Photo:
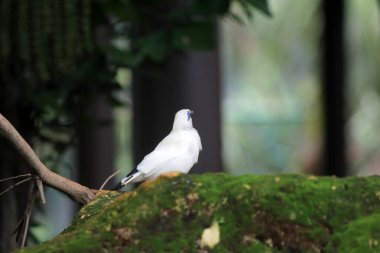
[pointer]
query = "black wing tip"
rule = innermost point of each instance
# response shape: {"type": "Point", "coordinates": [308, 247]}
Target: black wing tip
{"type": "Point", "coordinates": [117, 187]}
{"type": "Point", "coordinates": [132, 172]}
{"type": "Point", "coordinates": [120, 185]}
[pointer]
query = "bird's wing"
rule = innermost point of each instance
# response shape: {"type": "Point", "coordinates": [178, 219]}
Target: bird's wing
{"type": "Point", "coordinates": [171, 141]}
{"type": "Point", "coordinates": [166, 151]}
{"type": "Point", "coordinates": [154, 161]}
{"type": "Point", "coordinates": [173, 146]}
{"type": "Point", "coordinates": [198, 138]}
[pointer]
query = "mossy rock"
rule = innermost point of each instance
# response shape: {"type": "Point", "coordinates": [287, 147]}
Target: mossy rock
{"type": "Point", "coordinates": [223, 213]}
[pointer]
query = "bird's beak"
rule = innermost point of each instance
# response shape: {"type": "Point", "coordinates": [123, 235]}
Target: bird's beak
{"type": "Point", "coordinates": [191, 112]}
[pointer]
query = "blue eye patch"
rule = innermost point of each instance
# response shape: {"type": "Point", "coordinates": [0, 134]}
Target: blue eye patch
{"type": "Point", "coordinates": [188, 115]}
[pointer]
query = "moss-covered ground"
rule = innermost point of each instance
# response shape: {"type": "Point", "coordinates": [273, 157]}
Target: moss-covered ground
{"type": "Point", "coordinates": [272, 213]}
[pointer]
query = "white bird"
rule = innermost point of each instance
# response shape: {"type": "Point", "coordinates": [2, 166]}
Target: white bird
{"type": "Point", "coordinates": [177, 152]}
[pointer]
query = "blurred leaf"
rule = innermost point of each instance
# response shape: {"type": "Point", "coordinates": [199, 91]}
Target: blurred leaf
{"type": "Point", "coordinates": [48, 104]}
{"type": "Point", "coordinates": [236, 18]}
{"type": "Point", "coordinates": [154, 46]}
{"type": "Point", "coordinates": [200, 9]}
{"type": "Point", "coordinates": [212, 7]}
{"type": "Point", "coordinates": [123, 58]}
{"type": "Point", "coordinates": [261, 5]}
{"type": "Point", "coordinates": [124, 9]}
{"type": "Point", "coordinates": [247, 8]}
{"type": "Point", "coordinates": [199, 35]}
{"type": "Point", "coordinates": [115, 100]}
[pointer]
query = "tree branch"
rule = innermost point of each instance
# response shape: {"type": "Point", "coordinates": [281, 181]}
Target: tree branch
{"type": "Point", "coordinates": [77, 192]}
{"type": "Point", "coordinates": [9, 178]}
{"type": "Point", "coordinates": [108, 179]}
{"type": "Point", "coordinates": [28, 214]}
{"type": "Point", "coordinates": [14, 185]}
{"type": "Point", "coordinates": [41, 190]}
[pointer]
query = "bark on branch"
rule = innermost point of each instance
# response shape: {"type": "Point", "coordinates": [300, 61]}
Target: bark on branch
{"type": "Point", "coordinates": [77, 192]}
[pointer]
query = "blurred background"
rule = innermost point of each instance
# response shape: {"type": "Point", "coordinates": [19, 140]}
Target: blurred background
{"type": "Point", "coordinates": [288, 86]}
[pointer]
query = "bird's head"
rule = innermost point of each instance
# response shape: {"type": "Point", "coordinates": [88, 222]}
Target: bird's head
{"type": "Point", "coordinates": [183, 120]}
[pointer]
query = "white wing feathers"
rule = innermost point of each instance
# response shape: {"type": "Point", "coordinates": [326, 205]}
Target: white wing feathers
{"type": "Point", "coordinates": [173, 153]}
{"type": "Point", "coordinates": [196, 135]}
{"type": "Point", "coordinates": [154, 161]}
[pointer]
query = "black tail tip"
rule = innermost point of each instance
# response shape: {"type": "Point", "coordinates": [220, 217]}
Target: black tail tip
{"type": "Point", "coordinates": [117, 187]}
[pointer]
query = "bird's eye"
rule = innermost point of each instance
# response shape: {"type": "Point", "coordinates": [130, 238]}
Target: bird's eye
{"type": "Point", "coordinates": [188, 115]}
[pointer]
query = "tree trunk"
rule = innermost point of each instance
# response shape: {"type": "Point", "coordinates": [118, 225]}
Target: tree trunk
{"type": "Point", "coordinates": [334, 88]}
{"type": "Point", "coordinates": [96, 154]}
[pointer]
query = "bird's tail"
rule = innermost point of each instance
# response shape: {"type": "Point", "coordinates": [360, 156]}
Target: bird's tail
{"type": "Point", "coordinates": [129, 178]}
{"type": "Point", "coordinates": [117, 187]}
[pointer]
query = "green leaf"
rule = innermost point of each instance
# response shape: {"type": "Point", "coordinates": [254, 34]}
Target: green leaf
{"type": "Point", "coordinates": [261, 5]}
{"type": "Point", "coordinates": [124, 58]}
{"type": "Point", "coordinates": [246, 6]}
{"type": "Point", "coordinates": [236, 18]}
{"type": "Point", "coordinates": [197, 35]}
{"type": "Point", "coordinates": [124, 9]}
{"type": "Point", "coordinates": [212, 7]}
{"type": "Point", "coordinates": [154, 46]}
{"type": "Point", "coordinates": [201, 8]}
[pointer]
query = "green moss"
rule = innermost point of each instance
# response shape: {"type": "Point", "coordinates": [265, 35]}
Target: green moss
{"type": "Point", "coordinates": [270, 213]}
{"type": "Point", "coordinates": [89, 211]}
{"type": "Point", "coordinates": [361, 235]}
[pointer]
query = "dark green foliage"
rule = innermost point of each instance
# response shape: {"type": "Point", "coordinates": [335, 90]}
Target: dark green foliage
{"type": "Point", "coordinates": [279, 213]}
{"type": "Point", "coordinates": [50, 64]}
{"type": "Point", "coordinates": [47, 64]}
{"type": "Point", "coordinates": [261, 5]}
{"type": "Point", "coordinates": [194, 35]}
{"type": "Point", "coordinates": [158, 28]}
{"type": "Point", "coordinates": [49, 55]}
